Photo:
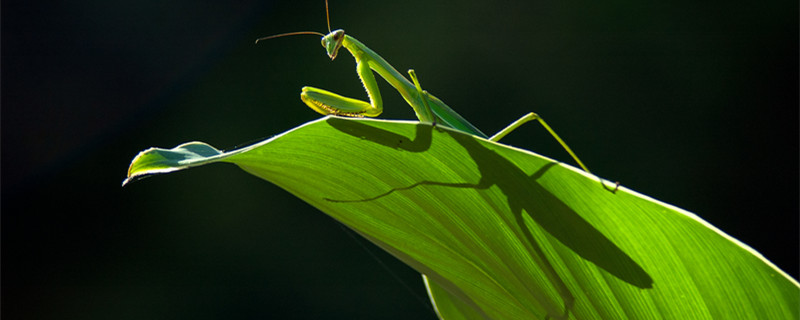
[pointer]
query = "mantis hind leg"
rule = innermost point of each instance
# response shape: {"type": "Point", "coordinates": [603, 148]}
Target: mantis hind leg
{"type": "Point", "coordinates": [326, 102]}
{"type": "Point", "coordinates": [533, 116]}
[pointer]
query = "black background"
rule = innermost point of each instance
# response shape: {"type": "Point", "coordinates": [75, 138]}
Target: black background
{"type": "Point", "coordinates": [694, 103]}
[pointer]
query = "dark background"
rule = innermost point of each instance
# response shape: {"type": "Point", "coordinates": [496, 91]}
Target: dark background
{"type": "Point", "coordinates": [694, 103]}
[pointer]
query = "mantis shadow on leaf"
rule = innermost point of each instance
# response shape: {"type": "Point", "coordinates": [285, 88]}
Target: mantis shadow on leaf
{"type": "Point", "coordinates": [421, 142]}
{"type": "Point", "coordinates": [549, 212]}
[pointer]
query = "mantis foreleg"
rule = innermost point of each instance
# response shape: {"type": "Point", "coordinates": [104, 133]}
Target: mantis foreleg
{"type": "Point", "coordinates": [327, 102]}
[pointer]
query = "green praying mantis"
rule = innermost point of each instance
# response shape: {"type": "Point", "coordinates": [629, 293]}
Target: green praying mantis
{"type": "Point", "coordinates": [428, 108]}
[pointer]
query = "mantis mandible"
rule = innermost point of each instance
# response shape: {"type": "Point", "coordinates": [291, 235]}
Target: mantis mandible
{"type": "Point", "coordinates": [427, 107]}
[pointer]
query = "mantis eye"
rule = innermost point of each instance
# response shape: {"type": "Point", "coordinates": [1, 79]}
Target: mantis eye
{"type": "Point", "coordinates": [338, 35]}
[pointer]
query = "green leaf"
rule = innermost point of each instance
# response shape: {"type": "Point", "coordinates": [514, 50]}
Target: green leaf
{"type": "Point", "coordinates": [503, 233]}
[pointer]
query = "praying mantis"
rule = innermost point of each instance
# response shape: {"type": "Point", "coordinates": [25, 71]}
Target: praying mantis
{"type": "Point", "coordinates": [428, 108]}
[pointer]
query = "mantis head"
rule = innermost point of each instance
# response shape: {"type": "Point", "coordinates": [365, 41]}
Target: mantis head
{"type": "Point", "coordinates": [332, 42]}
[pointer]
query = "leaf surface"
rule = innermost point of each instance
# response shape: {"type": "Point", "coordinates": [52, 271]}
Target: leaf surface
{"type": "Point", "coordinates": [503, 233]}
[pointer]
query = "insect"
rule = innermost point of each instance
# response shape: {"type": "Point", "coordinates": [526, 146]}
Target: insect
{"type": "Point", "coordinates": [427, 107]}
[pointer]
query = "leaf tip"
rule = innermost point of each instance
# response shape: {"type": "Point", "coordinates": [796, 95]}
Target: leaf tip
{"type": "Point", "coordinates": [157, 160]}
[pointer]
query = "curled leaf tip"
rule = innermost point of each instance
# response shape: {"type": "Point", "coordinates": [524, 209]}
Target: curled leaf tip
{"type": "Point", "coordinates": [158, 160]}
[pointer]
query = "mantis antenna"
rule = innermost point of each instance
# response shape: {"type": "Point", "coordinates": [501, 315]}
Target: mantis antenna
{"type": "Point", "coordinates": [327, 18]}
{"type": "Point", "coordinates": [289, 34]}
